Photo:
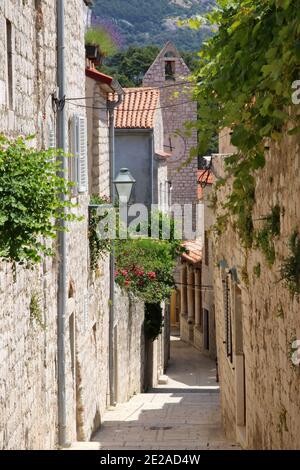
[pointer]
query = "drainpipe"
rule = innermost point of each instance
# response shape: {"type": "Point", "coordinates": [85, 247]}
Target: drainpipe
{"type": "Point", "coordinates": [62, 239]}
{"type": "Point", "coordinates": [111, 105]}
{"type": "Point", "coordinates": [152, 167]}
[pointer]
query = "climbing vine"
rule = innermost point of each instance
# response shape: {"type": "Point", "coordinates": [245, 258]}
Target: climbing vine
{"type": "Point", "coordinates": [290, 268]}
{"type": "Point", "coordinates": [36, 310]}
{"type": "Point", "coordinates": [98, 246]}
{"type": "Point", "coordinates": [153, 321]}
{"type": "Point", "coordinates": [265, 236]}
{"type": "Point", "coordinates": [30, 200]}
{"type": "Point", "coordinates": [244, 83]}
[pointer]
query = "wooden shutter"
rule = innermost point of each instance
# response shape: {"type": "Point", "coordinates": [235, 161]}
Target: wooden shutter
{"type": "Point", "coordinates": [82, 160]}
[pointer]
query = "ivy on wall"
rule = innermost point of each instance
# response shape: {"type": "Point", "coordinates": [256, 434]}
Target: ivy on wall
{"type": "Point", "coordinates": [99, 247]}
{"type": "Point", "coordinates": [153, 321]}
{"type": "Point", "coordinates": [30, 201]}
{"type": "Point", "coordinates": [244, 82]}
{"type": "Point", "coordinates": [290, 268]}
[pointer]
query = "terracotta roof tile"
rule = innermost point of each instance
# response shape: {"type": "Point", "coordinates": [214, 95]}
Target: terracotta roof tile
{"type": "Point", "coordinates": [194, 251]}
{"type": "Point", "coordinates": [137, 110]}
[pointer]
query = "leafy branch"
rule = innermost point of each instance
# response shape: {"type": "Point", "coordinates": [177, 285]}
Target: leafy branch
{"type": "Point", "coordinates": [30, 203]}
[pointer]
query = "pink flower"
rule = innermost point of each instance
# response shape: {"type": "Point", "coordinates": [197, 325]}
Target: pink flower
{"type": "Point", "coordinates": [124, 272]}
{"type": "Point", "coordinates": [152, 275]}
{"type": "Point", "coordinates": [138, 272]}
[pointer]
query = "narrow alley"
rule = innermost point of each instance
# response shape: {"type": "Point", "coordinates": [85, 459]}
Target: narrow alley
{"type": "Point", "coordinates": [184, 414]}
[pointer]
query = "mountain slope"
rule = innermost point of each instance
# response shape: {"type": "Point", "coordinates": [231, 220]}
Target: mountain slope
{"type": "Point", "coordinates": [145, 22]}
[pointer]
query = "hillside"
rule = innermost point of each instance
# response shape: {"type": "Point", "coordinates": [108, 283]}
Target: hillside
{"type": "Point", "coordinates": [144, 22]}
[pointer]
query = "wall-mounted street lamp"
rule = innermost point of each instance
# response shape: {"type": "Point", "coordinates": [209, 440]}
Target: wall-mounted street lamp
{"type": "Point", "coordinates": [124, 183]}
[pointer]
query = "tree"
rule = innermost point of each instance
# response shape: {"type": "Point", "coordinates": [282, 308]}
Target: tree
{"type": "Point", "coordinates": [129, 66]}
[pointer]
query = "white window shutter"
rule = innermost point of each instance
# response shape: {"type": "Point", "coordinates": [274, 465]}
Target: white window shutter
{"type": "Point", "coordinates": [74, 148]}
{"type": "Point", "coordinates": [51, 135]}
{"type": "Point", "coordinates": [82, 161]}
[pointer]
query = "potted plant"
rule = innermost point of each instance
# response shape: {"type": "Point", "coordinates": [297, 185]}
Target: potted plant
{"type": "Point", "coordinates": [98, 44]}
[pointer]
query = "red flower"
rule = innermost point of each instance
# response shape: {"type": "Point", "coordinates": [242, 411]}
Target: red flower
{"type": "Point", "coordinates": [127, 282]}
{"type": "Point", "coordinates": [152, 275]}
{"type": "Point", "coordinates": [124, 272]}
{"type": "Point", "coordinates": [138, 272]}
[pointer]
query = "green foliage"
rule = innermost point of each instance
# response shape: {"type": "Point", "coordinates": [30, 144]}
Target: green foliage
{"type": "Point", "coordinates": [153, 321]}
{"type": "Point", "coordinates": [101, 38]}
{"type": "Point", "coordinates": [245, 76]}
{"type": "Point", "coordinates": [130, 66]}
{"type": "Point", "coordinates": [290, 268]}
{"type": "Point", "coordinates": [35, 310]}
{"type": "Point", "coordinates": [30, 201]}
{"type": "Point", "coordinates": [145, 266]}
{"type": "Point", "coordinates": [271, 229]}
{"type": "Point", "coordinates": [144, 21]}
{"type": "Point", "coordinates": [98, 246]}
{"type": "Point", "coordinates": [257, 270]}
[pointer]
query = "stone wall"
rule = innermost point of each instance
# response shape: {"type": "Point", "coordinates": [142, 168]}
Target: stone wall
{"type": "Point", "coordinates": [98, 139]}
{"type": "Point", "coordinates": [28, 343]}
{"type": "Point", "coordinates": [265, 316]}
{"type": "Point", "coordinates": [28, 367]}
{"type": "Point", "coordinates": [207, 270]}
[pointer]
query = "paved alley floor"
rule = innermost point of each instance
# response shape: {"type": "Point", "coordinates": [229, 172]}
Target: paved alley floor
{"type": "Point", "coordinates": [182, 415]}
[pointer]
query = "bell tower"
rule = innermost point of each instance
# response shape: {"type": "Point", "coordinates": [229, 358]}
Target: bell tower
{"type": "Point", "coordinates": [171, 75]}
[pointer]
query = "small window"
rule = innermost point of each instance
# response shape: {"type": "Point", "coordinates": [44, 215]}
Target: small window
{"type": "Point", "coordinates": [170, 70]}
{"type": "Point", "coordinates": [78, 166]}
{"type": "Point", "coordinates": [227, 317]}
{"type": "Point", "coordinates": [9, 61]}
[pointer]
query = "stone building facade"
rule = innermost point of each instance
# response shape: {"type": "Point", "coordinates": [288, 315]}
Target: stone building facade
{"type": "Point", "coordinates": [140, 146]}
{"type": "Point", "coordinates": [170, 74]}
{"type": "Point", "coordinates": [205, 336]}
{"type": "Point", "coordinates": [257, 317]}
{"type": "Point", "coordinates": [28, 348]}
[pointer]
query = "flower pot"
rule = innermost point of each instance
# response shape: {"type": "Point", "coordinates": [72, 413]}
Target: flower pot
{"type": "Point", "coordinates": [93, 53]}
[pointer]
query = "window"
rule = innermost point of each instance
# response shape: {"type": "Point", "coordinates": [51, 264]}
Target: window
{"type": "Point", "coordinates": [9, 62]}
{"type": "Point", "coordinates": [206, 248]}
{"type": "Point", "coordinates": [78, 166]}
{"type": "Point", "coordinates": [170, 70]}
{"type": "Point", "coordinates": [227, 317]}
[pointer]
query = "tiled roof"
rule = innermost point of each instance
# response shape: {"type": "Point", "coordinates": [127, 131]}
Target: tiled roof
{"type": "Point", "coordinates": [137, 110]}
{"type": "Point", "coordinates": [194, 251]}
{"type": "Point", "coordinates": [98, 76]}
{"type": "Point", "coordinates": [108, 83]}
